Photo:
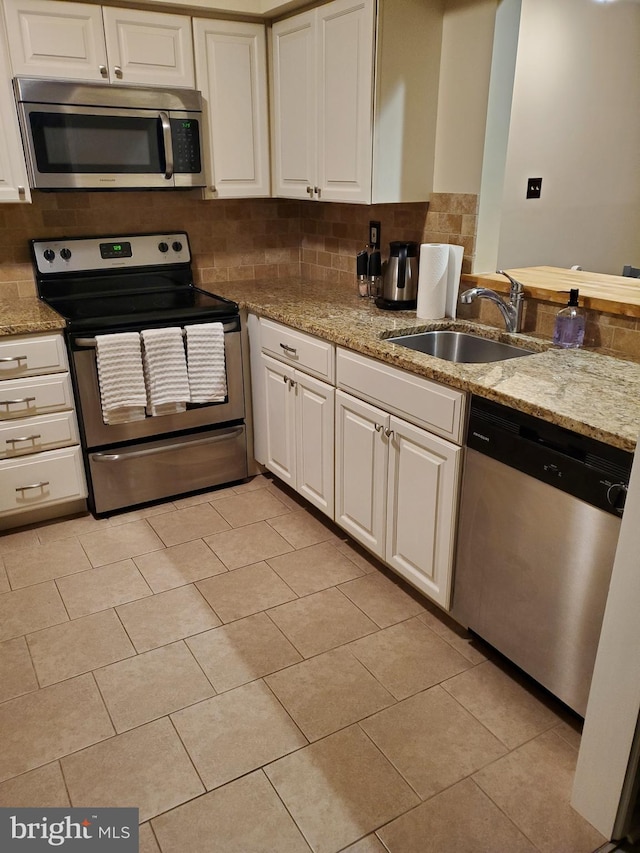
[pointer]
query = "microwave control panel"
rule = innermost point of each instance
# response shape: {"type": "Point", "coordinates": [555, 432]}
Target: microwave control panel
{"type": "Point", "coordinates": [185, 139]}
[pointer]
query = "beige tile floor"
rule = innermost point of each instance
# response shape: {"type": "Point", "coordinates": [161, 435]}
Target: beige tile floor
{"type": "Point", "coordinates": [234, 667]}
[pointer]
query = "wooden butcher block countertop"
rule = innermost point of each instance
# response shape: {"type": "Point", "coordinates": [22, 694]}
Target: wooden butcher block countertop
{"type": "Point", "coordinates": [614, 294]}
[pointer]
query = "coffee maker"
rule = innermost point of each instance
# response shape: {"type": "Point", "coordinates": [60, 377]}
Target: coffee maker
{"type": "Point", "coordinates": [400, 277]}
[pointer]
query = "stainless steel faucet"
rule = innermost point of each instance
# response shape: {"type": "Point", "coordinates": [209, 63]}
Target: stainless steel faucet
{"type": "Point", "coordinates": [511, 310]}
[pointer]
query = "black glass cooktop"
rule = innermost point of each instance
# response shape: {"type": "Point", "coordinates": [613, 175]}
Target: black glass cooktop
{"type": "Point", "coordinates": [176, 304]}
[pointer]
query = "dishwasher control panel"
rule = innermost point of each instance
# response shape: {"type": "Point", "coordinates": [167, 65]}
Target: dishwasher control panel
{"type": "Point", "coordinates": [581, 466]}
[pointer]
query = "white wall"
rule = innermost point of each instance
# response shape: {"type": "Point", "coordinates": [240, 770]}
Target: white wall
{"type": "Point", "coordinates": [467, 44]}
{"type": "Point", "coordinates": [575, 122]}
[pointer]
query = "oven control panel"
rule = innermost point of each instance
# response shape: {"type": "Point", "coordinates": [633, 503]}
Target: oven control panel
{"type": "Point", "coordinates": [81, 254]}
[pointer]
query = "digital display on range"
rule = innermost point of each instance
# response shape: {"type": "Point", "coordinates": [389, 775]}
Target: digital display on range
{"type": "Point", "coordinates": [115, 250]}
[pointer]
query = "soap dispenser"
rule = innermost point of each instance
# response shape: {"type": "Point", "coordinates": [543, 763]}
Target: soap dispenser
{"type": "Point", "coordinates": [568, 331]}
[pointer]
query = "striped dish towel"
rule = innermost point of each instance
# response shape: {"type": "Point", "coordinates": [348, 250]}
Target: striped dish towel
{"type": "Point", "coordinates": [120, 377]}
{"type": "Point", "coordinates": [206, 363]}
{"type": "Point", "coordinates": [165, 371]}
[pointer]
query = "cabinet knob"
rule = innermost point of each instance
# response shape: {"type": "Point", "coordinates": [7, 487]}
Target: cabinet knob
{"type": "Point", "coordinates": [103, 70]}
{"type": "Point", "coordinates": [310, 190]}
{"type": "Point", "coordinates": [117, 71]}
{"type": "Point", "coordinates": [317, 191]}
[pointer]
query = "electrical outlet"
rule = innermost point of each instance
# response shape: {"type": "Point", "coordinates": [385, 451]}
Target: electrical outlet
{"type": "Point", "coordinates": [534, 187]}
{"type": "Point", "coordinates": [374, 235]}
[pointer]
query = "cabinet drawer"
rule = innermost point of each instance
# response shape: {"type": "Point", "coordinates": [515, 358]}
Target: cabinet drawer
{"type": "Point", "coordinates": [311, 354]}
{"type": "Point", "coordinates": [20, 398]}
{"type": "Point", "coordinates": [22, 436]}
{"type": "Point", "coordinates": [420, 401]}
{"type": "Point", "coordinates": [45, 478]}
{"type": "Point", "coordinates": [32, 355]}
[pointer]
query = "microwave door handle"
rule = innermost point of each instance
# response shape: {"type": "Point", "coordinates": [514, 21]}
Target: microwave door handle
{"type": "Point", "coordinates": [168, 145]}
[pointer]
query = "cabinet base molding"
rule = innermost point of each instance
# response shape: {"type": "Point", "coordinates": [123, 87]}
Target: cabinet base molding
{"type": "Point", "coordinates": [46, 513]}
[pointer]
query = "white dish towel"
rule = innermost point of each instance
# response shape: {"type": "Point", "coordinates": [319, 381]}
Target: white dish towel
{"type": "Point", "coordinates": [206, 363]}
{"type": "Point", "coordinates": [165, 371]}
{"type": "Point", "coordinates": [120, 376]}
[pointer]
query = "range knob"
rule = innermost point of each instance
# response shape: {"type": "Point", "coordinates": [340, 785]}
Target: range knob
{"type": "Point", "coordinates": [163, 247]}
{"type": "Point", "coordinates": [176, 246]}
{"type": "Point", "coordinates": [65, 254]}
{"type": "Point", "coordinates": [49, 255]}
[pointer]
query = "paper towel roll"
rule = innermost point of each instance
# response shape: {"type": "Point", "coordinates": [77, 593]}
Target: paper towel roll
{"type": "Point", "coordinates": [432, 281]}
{"type": "Point", "coordinates": [453, 279]}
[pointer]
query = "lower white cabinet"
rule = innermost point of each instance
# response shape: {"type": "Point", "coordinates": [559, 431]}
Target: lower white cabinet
{"type": "Point", "coordinates": [41, 468]}
{"type": "Point", "coordinates": [396, 493]}
{"type": "Point", "coordinates": [297, 425]}
{"type": "Point", "coordinates": [42, 479]}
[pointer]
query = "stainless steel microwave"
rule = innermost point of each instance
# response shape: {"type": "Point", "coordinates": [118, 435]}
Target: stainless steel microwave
{"type": "Point", "coordinates": [84, 136]}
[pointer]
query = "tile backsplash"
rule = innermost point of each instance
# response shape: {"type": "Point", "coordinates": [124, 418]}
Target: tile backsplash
{"type": "Point", "coordinates": [232, 239]}
{"type": "Point", "coordinates": [267, 238]}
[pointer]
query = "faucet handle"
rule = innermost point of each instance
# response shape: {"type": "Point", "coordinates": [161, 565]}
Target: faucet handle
{"type": "Point", "coordinates": [516, 286]}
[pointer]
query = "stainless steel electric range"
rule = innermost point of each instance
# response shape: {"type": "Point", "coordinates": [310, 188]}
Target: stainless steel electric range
{"type": "Point", "coordinates": [129, 283]}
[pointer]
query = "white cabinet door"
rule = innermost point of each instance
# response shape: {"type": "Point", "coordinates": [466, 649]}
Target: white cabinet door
{"type": "Point", "coordinates": [295, 157]}
{"type": "Point", "coordinates": [345, 100]}
{"type": "Point", "coordinates": [51, 38]}
{"type": "Point", "coordinates": [423, 477]}
{"type": "Point", "coordinates": [323, 64]}
{"type": "Point", "coordinates": [279, 420]}
{"type": "Point", "coordinates": [231, 72]}
{"type": "Point", "coordinates": [14, 184]}
{"type": "Point", "coordinates": [148, 48]}
{"type": "Point", "coordinates": [314, 441]}
{"type": "Point", "coordinates": [361, 471]}
{"type": "Point", "coordinates": [78, 41]}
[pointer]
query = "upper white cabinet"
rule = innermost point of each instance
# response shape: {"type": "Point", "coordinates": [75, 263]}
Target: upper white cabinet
{"type": "Point", "coordinates": [14, 184]}
{"type": "Point", "coordinates": [51, 38]}
{"type": "Point", "coordinates": [355, 101]}
{"type": "Point", "coordinates": [322, 78]}
{"type": "Point", "coordinates": [231, 72]}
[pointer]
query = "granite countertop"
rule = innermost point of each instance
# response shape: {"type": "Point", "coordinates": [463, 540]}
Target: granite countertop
{"type": "Point", "coordinates": [592, 394]}
{"type": "Point", "coordinates": [27, 315]}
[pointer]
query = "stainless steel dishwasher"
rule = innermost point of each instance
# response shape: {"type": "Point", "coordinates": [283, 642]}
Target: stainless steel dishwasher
{"type": "Point", "coordinates": [539, 522]}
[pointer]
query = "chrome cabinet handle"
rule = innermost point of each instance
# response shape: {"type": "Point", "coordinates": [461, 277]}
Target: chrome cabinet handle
{"type": "Point", "coordinates": [117, 71]}
{"type": "Point", "coordinates": [8, 358]}
{"type": "Point", "coordinates": [287, 348]}
{"type": "Point", "coordinates": [40, 485]}
{"type": "Point", "coordinates": [103, 70]}
{"type": "Point", "coordinates": [310, 190]}
{"type": "Point", "coordinates": [26, 400]}
{"type": "Point", "coordinates": [389, 433]}
{"type": "Point", "coordinates": [23, 438]}
{"type": "Point", "coordinates": [317, 191]}
{"type": "Point", "coordinates": [168, 145]}
{"type": "Point", "coordinates": [378, 427]}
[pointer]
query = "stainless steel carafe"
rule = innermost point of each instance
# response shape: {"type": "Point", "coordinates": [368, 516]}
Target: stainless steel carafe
{"type": "Point", "coordinates": [400, 276]}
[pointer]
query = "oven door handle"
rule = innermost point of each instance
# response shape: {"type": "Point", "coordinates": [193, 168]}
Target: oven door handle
{"type": "Point", "coordinates": [224, 435]}
{"type": "Point", "coordinates": [90, 343]}
{"type": "Point", "coordinates": [168, 144]}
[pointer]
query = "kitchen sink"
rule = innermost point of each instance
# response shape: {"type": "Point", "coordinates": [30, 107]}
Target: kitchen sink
{"type": "Point", "coordinates": [461, 347]}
